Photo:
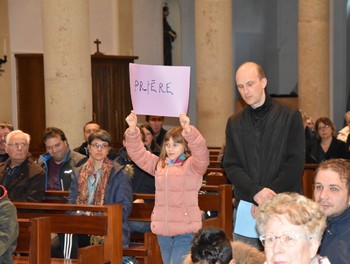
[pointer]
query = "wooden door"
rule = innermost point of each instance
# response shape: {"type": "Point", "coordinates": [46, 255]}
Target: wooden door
{"type": "Point", "coordinates": [31, 99]}
{"type": "Point", "coordinates": [111, 94]}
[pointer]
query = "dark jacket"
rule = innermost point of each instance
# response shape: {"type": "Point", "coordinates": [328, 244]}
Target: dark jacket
{"type": "Point", "coordinates": [119, 191]}
{"type": "Point", "coordinates": [72, 161]}
{"type": "Point", "coordinates": [83, 149]}
{"type": "Point", "coordinates": [159, 139]}
{"type": "Point", "coordinates": [315, 154]}
{"type": "Point", "coordinates": [336, 243]}
{"type": "Point", "coordinates": [3, 157]}
{"type": "Point", "coordinates": [27, 183]}
{"type": "Point", "coordinates": [142, 182]}
{"type": "Point", "coordinates": [8, 228]}
{"type": "Point", "coordinates": [264, 148]}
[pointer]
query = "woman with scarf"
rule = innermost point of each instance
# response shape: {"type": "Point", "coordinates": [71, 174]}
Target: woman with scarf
{"type": "Point", "coordinates": [100, 182]}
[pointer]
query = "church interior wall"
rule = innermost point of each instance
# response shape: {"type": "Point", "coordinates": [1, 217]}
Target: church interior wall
{"type": "Point", "coordinates": [253, 39]}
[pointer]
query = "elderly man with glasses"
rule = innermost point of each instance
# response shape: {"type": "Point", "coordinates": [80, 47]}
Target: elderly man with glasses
{"type": "Point", "coordinates": [23, 179]}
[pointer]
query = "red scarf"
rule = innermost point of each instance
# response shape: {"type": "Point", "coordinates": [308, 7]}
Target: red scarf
{"type": "Point", "coordinates": [87, 170]}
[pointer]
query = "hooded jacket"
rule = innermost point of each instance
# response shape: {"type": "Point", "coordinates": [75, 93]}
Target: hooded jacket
{"type": "Point", "coordinates": [8, 227]}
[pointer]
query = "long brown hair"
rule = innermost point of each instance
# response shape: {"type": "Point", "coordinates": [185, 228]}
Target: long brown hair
{"type": "Point", "coordinates": [176, 134]}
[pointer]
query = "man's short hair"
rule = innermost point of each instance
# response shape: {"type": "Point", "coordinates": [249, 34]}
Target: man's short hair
{"type": "Point", "coordinates": [52, 132]}
{"type": "Point", "coordinates": [148, 117]}
{"type": "Point", "coordinates": [339, 166]}
{"type": "Point", "coordinates": [91, 122]}
{"type": "Point", "coordinates": [211, 245]}
{"type": "Point", "coordinates": [17, 132]}
{"type": "Point", "coordinates": [4, 124]}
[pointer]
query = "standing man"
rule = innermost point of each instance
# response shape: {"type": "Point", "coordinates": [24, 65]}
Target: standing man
{"type": "Point", "coordinates": [5, 129]}
{"type": "Point", "coordinates": [23, 179]}
{"type": "Point", "coordinates": [332, 192]}
{"type": "Point", "coordinates": [264, 152]}
{"type": "Point", "coordinates": [59, 161]}
{"type": "Point", "coordinates": [156, 124]}
{"type": "Point", "coordinates": [89, 128]}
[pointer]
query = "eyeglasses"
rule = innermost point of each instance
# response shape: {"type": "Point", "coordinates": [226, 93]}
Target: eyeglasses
{"type": "Point", "coordinates": [97, 146]}
{"type": "Point", "coordinates": [287, 240]}
{"type": "Point", "coordinates": [323, 127]}
{"type": "Point", "coordinates": [16, 145]}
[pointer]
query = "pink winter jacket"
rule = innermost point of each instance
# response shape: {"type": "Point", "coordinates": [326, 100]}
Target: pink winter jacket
{"type": "Point", "coordinates": [176, 210]}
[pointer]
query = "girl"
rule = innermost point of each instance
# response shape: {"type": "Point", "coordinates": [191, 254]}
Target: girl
{"type": "Point", "coordinates": [178, 173]}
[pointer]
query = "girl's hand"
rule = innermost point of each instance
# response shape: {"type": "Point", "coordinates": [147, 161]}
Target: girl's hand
{"type": "Point", "coordinates": [131, 119]}
{"type": "Point", "coordinates": [185, 122]}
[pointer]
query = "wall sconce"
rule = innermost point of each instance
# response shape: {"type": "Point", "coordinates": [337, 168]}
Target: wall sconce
{"type": "Point", "coordinates": [2, 61]}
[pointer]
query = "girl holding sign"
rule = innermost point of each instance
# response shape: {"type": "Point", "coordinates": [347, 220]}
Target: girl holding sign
{"type": "Point", "coordinates": [178, 173]}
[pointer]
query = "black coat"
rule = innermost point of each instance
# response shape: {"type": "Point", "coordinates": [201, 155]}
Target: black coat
{"type": "Point", "coordinates": [315, 154]}
{"type": "Point", "coordinates": [264, 148]}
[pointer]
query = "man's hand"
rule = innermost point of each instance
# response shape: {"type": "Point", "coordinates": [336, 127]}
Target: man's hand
{"type": "Point", "coordinates": [131, 119]}
{"type": "Point", "coordinates": [264, 195]}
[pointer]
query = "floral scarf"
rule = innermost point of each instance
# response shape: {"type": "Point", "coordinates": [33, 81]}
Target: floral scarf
{"type": "Point", "coordinates": [83, 190]}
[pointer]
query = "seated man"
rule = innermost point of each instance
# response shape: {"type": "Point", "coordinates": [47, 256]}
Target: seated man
{"type": "Point", "coordinates": [88, 129]}
{"type": "Point", "coordinates": [332, 192]}
{"type": "Point", "coordinates": [59, 161]}
{"type": "Point", "coordinates": [5, 128]}
{"type": "Point", "coordinates": [156, 123]}
{"type": "Point", "coordinates": [8, 227]}
{"type": "Point", "coordinates": [23, 179]}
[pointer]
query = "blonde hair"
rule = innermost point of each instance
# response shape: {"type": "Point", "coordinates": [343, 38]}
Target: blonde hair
{"type": "Point", "coordinates": [298, 210]}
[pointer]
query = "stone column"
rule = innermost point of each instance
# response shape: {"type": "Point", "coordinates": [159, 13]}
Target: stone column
{"type": "Point", "coordinates": [67, 64]}
{"type": "Point", "coordinates": [124, 27]}
{"type": "Point", "coordinates": [214, 69]}
{"type": "Point", "coordinates": [6, 106]}
{"type": "Point", "coordinates": [313, 57]}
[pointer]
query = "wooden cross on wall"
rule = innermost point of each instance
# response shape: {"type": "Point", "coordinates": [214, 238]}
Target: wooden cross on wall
{"type": "Point", "coordinates": [98, 42]}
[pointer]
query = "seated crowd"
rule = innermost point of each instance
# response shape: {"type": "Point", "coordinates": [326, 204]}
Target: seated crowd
{"type": "Point", "coordinates": [292, 228]}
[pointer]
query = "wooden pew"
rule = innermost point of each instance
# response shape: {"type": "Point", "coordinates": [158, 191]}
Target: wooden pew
{"type": "Point", "coordinates": [53, 196]}
{"type": "Point", "coordinates": [219, 199]}
{"type": "Point", "coordinates": [214, 164]}
{"type": "Point", "coordinates": [307, 180]}
{"type": "Point", "coordinates": [34, 240]}
{"type": "Point", "coordinates": [215, 176]}
{"type": "Point", "coordinates": [211, 198]}
{"type": "Point", "coordinates": [106, 221]}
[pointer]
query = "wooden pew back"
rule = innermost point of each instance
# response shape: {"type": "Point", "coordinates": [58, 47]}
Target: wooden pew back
{"type": "Point", "coordinates": [307, 181]}
{"type": "Point", "coordinates": [211, 198]}
{"type": "Point", "coordinates": [105, 220]}
{"type": "Point", "coordinates": [34, 239]}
